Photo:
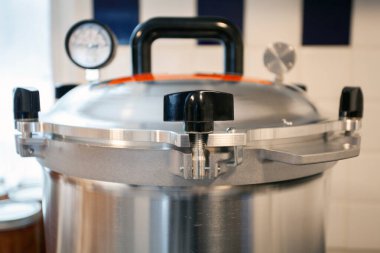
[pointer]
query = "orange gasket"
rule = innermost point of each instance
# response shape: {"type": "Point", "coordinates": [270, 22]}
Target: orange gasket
{"type": "Point", "coordinates": [150, 78]}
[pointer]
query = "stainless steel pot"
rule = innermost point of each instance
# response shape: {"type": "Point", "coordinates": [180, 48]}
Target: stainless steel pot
{"type": "Point", "coordinates": [243, 171]}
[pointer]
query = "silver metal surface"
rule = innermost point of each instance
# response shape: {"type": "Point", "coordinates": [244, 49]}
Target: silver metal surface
{"type": "Point", "coordinates": [279, 58]}
{"type": "Point", "coordinates": [139, 105]}
{"type": "Point", "coordinates": [87, 216]}
{"type": "Point", "coordinates": [299, 153]}
{"type": "Point", "coordinates": [129, 116]}
{"type": "Point", "coordinates": [162, 167]}
{"type": "Point", "coordinates": [125, 137]}
{"type": "Point", "coordinates": [28, 126]}
{"type": "Point", "coordinates": [352, 125]}
{"type": "Point", "coordinates": [32, 146]}
{"type": "Point", "coordinates": [160, 156]}
{"type": "Point", "coordinates": [199, 157]}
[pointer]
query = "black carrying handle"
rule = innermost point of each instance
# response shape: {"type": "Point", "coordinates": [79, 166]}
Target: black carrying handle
{"type": "Point", "coordinates": [197, 28]}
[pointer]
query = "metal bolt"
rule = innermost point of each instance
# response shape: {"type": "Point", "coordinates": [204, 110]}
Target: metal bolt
{"type": "Point", "coordinates": [199, 160]}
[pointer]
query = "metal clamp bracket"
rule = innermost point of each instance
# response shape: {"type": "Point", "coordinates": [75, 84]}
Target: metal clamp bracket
{"type": "Point", "coordinates": [32, 146]}
{"type": "Point", "coordinates": [219, 159]}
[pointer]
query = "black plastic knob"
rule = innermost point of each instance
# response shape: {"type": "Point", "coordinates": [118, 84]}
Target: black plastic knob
{"type": "Point", "coordinates": [351, 103]}
{"type": "Point", "coordinates": [62, 89]}
{"type": "Point", "coordinates": [26, 103]}
{"type": "Point", "coordinates": [199, 109]}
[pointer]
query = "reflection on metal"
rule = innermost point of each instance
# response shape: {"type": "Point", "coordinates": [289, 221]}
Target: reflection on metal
{"type": "Point", "coordinates": [130, 138]}
{"type": "Point", "coordinates": [227, 152]}
{"type": "Point", "coordinates": [139, 105]}
{"type": "Point", "coordinates": [277, 217]}
{"type": "Point", "coordinates": [287, 123]}
{"type": "Point", "coordinates": [338, 149]}
{"type": "Point", "coordinates": [199, 157]}
{"type": "Point", "coordinates": [279, 58]}
{"type": "Point", "coordinates": [237, 157]}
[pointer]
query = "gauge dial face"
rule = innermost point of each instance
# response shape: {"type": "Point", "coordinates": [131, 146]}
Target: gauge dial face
{"type": "Point", "coordinates": [90, 45]}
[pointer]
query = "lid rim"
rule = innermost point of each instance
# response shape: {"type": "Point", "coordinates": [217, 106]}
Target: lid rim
{"type": "Point", "coordinates": [118, 137]}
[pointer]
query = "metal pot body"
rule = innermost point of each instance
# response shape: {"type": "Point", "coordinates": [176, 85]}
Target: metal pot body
{"type": "Point", "coordinates": [88, 216]}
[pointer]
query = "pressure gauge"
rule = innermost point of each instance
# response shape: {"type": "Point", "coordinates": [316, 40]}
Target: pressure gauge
{"type": "Point", "coordinates": [90, 44]}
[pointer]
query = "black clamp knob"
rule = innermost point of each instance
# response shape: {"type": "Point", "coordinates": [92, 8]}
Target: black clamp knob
{"type": "Point", "coordinates": [351, 103]}
{"type": "Point", "coordinates": [62, 89]}
{"type": "Point", "coordinates": [199, 109]}
{"type": "Point", "coordinates": [26, 103]}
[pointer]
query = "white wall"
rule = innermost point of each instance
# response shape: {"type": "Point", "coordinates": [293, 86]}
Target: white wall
{"type": "Point", "coordinates": [63, 14]}
{"type": "Point", "coordinates": [354, 210]}
{"type": "Point", "coordinates": [24, 61]}
{"type": "Point", "coordinates": [354, 220]}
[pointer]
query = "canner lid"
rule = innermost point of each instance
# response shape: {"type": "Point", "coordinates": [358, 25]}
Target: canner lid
{"type": "Point", "coordinates": [132, 104]}
{"type": "Point", "coordinates": [114, 131]}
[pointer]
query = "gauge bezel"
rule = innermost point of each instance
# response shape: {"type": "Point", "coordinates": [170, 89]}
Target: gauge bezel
{"type": "Point", "coordinates": [108, 32]}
